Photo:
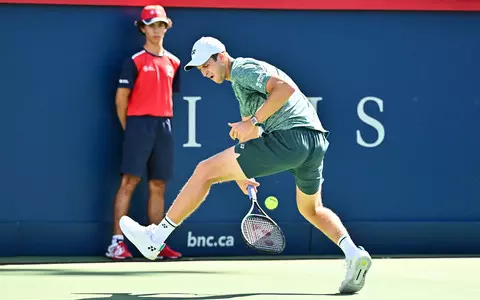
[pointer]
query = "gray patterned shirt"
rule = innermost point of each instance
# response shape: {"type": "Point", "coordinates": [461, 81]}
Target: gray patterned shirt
{"type": "Point", "coordinates": [249, 82]}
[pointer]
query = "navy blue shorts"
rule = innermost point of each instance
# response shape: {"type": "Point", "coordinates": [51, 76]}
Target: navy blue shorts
{"type": "Point", "coordinates": [148, 147]}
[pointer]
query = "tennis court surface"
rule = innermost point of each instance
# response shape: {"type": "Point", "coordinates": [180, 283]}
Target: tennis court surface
{"type": "Point", "coordinates": [388, 279]}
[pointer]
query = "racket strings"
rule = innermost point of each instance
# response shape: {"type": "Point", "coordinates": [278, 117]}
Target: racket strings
{"type": "Point", "coordinates": [262, 234]}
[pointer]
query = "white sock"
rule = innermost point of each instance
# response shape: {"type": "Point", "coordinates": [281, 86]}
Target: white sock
{"type": "Point", "coordinates": [117, 238]}
{"type": "Point", "coordinates": [163, 230]}
{"type": "Point", "coordinates": [347, 246]}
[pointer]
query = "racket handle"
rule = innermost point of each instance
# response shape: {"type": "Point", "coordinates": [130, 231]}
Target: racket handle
{"type": "Point", "coordinates": [251, 192]}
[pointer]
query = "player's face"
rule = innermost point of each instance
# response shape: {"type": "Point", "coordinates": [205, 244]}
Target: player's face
{"type": "Point", "coordinates": [214, 70]}
{"type": "Point", "coordinates": [155, 32]}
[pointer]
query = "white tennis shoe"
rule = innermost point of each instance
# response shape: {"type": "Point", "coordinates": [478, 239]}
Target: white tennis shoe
{"type": "Point", "coordinates": [357, 268]}
{"type": "Point", "coordinates": [141, 237]}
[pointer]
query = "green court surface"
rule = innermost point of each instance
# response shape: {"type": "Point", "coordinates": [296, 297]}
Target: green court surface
{"type": "Point", "coordinates": [388, 279]}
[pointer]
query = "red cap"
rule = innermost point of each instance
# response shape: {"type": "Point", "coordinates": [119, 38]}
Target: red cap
{"type": "Point", "coordinates": [154, 13]}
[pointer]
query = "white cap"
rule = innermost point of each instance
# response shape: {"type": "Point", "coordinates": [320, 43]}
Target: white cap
{"type": "Point", "coordinates": [202, 50]}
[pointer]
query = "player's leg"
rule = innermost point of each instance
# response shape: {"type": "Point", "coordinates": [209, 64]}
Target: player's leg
{"type": "Point", "coordinates": [255, 158]}
{"type": "Point", "coordinates": [218, 168]}
{"type": "Point", "coordinates": [311, 207]}
{"type": "Point", "coordinates": [160, 171]}
{"type": "Point", "coordinates": [221, 167]}
{"type": "Point", "coordinates": [309, 181]}
{"type": "Point", "coordinates": [137, 146]}
{"type": "Point", "coordinates": [324, 219]}
{"type": "Point", "coordinates": [358, 260]}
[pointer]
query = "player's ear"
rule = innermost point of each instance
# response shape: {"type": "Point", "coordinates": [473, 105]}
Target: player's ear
{"type": "Point", "coordinates": [222, 56]}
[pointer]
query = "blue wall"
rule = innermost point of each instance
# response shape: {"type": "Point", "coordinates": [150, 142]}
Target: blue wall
{"type": "Point", "coordinates": [416, 191]}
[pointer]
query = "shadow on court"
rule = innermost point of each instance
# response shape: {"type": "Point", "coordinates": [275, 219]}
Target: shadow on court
{"type": "Point", "coordinates": [71, 272]}
{"type": "Point", "coordinates": [177, 296]}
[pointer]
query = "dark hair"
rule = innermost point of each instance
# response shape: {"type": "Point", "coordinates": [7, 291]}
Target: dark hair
{"type": "Point", "coordinates": [214, 57]}
{"type": "Point", "coordinates": [139, 24]}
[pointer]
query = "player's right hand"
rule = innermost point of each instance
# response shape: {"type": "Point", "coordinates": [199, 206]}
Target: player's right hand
{"type": "Point", "coordinates": [243, 185]}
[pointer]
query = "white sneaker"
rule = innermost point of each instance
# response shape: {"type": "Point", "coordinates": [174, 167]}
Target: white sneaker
{"type": "Point", "coordinates": [140, 236]}
{"type": "Point", "coordinates": [357, 268]}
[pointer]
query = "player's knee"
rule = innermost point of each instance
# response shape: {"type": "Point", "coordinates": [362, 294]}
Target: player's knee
{"type": "Point", "coordinates": [206, 171]}
{"type": "Point", "coordinates": [320, 210]}
{"type": "Point", "coordinates": [306, 208]}
{"type": "Point", "coordinates": [309, 202]}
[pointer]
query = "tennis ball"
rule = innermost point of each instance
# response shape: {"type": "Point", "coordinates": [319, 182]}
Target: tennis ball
{"type": "Point", "coordinates": [271, 202]}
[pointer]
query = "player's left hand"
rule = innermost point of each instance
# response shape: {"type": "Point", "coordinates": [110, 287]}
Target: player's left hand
{"type": "Point", "coordinates": [241, 130]}
{"type": "Point", "coordinates": [243, 185]}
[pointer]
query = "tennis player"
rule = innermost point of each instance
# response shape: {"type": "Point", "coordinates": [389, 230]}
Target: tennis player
{"type": "Point", "coordinates": [279, 131]}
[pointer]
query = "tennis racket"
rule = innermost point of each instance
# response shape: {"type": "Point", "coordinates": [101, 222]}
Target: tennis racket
{"type": "Point", "coordinates": [259, 231]}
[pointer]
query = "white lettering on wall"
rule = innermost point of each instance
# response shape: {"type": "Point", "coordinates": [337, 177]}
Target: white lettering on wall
{"type": "Point", "coordinates": [314, 101]}
{"type": "Point", "coordinates": [192, 121]}
{"type": "Point", "coordinates": [377, 125]}
{"type": "Point", "coordinates": [370, 121]}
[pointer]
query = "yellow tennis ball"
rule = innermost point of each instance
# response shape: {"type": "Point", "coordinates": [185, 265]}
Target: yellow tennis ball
{"type": "Point", "coordinates": [271, 202]}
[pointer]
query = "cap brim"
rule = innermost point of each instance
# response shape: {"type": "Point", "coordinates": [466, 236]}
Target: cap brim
{"type": "Point", "coordinates": [154, 20]}
{"type": "Point", "coordinates": [195, 63]}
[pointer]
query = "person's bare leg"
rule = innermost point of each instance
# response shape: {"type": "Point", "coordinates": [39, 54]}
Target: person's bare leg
{"type": "Point", "coordinates": [156, 201]}
{"type": "Point", "coordinates": [358, 260]}
{"type": "Point", "coordinates": [311, 207]}
{"type": "Point", "coordinates": [156, 210]}
{"type": "Point", "coordinates": [221, 167]}
{"type": "Point", "coordinates": [122, 200]}
{"type": "Point", "coordinates": [150, 240]}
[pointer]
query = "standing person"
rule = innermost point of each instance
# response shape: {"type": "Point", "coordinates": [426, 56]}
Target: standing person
{"type": "Point", "coordinates": [145, 109]}
{"type": "Point", "coordinates": [293, 140]}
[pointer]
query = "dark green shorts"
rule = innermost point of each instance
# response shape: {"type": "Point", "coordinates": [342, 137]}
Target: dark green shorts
{"type": "Point", "coordinates": [298, 150]}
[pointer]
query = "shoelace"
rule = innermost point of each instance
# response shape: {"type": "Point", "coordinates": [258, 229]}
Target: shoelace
{"type": "Point", "coordinates": [150, 229]}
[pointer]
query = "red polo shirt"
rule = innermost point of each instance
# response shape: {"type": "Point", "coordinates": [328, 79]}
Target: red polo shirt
{"type": "Point", "coordinates": [153, 79]}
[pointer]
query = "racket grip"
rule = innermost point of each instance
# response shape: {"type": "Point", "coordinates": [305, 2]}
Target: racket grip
{"type": "Point", "coordinates": [251, 192]}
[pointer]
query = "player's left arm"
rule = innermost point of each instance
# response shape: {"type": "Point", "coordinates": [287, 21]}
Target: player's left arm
{"type": "Point", "coordinates": [279, 92]}
{"type": "Point", "coordinates": [253, 135]}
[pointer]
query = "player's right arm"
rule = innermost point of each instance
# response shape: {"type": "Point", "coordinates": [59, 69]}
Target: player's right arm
{"type": "Point", "coordinates": [125, 85]}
